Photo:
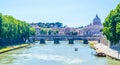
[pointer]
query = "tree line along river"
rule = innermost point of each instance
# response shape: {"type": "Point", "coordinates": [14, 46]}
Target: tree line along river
{"type": "Point", "coordinates": [55, 54]}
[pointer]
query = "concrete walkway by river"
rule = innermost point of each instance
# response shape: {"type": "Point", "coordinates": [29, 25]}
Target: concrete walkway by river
{"type": "Point", "coordinates": [100, 48]}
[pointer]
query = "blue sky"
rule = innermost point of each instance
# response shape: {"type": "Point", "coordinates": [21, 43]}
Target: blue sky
{"type": "Point", "coordinates": [73, 13]}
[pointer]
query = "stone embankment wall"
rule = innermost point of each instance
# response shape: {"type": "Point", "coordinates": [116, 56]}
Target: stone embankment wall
{"type": "Point", "coordinates": [104, 41]}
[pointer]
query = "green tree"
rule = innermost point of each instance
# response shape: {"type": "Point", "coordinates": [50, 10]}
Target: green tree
{"type": "Point", "coordinates": [43, 31]}
{"type": "Point", "coordinates": [112, 25]}
{"type": "Point", "coordinates": [49, 32]}
{"type": "Point", "coordinates": [118, 30]}
{"type": "Point", "coordinates": [56, 32]}
{"type": "Point", "coordinates": [58, 24]}
{"type": "Point", "coordinates": [32, 31]}
{"type": "Point", "coordinates": [74, 33]}
{"type": "Point", "coordinates": [0, 24]}
{"type": "Point", "coordinates": [13, 31]}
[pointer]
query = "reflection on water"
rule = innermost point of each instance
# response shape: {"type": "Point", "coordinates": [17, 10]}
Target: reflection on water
{"type": "Point", "coordinates": [48, 57]}
{"type": "Point", "coordinates": [55, 54]}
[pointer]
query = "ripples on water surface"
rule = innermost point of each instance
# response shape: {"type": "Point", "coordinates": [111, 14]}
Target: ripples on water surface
{"type": "Point", "coordinates": [55, 54]}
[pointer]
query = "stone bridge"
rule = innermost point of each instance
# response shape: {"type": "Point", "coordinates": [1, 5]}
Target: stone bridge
{"type": "Point", "coordinates": [57, 38]}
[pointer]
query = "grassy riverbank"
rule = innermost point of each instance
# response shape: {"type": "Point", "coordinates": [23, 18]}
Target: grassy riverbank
{"type": "Point", "coordinates": [9, 48]}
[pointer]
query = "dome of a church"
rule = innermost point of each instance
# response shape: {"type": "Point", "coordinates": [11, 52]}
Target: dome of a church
{"type": "Point", "coordinates": [96, 20]}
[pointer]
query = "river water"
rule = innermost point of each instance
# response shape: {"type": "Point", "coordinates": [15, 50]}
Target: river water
{"type": "Point", "coordinates": [55, 54]}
